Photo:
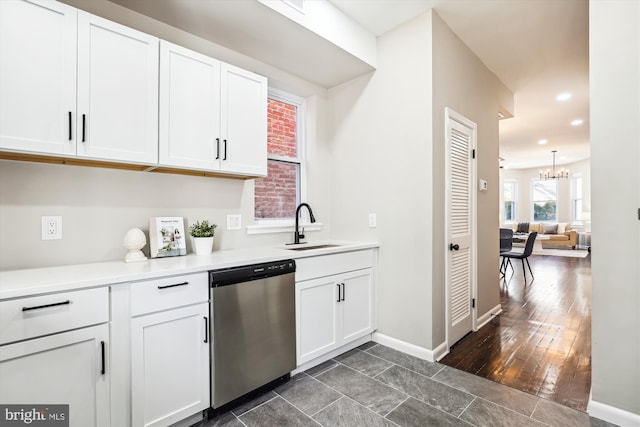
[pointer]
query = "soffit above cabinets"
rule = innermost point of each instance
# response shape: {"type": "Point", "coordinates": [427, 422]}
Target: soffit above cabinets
{"type": "Point", "coordinates": [259, 31]}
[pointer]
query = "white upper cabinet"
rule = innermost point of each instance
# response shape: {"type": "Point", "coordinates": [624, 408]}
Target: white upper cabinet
{"type": "Point", "coordinates": [243, 121]}
{"type": "Point", "coordinates": [38, 77]}
{"type": "Point", "coordinates": [189, 109]}
{"type": "Point", "coordinates": [74, 84]}
{"type": "Point", "coordinates": [213, 116]}
{"type": "Point", "coordinates": [117, 92]}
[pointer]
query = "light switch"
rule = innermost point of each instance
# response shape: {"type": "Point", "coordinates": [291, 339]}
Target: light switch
{"type": "Point", "coordinates": [372, 220]}
{"type": "Point", "coordinates": [483, 185]}
{"type": "Point", "coordinates": [234, 222]}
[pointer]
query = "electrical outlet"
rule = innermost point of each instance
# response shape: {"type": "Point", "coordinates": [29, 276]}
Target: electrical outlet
{"type": "Point", "coordinates": [372, 220]}
{"type": "Point", "coordinates": [51, 227]}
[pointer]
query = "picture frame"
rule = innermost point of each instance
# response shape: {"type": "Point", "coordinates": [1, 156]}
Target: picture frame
{"type": "Point", "coordinates": [167, 237]}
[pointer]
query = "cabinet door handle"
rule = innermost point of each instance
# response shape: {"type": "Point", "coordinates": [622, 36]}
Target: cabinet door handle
{"type": "Point", "coordinates": [104, 369]}
{"type": "Point", "coordinates": [70, 136]}
{"type": "Point", "coordinates": [37, 307]}
{"type": "Point", "coordinates": [343, 292]}
{"type": "Point", "coordinates": [84, 116]}
{"type": "Point", "coordinates": [225, 150]}
{"type": "Point", "coordinates": [217, 148]}
{"type": "Point", "coordinates": [338, 285]}
{"type": "Point", "coordinates": [206, 329]}
{"type": "Point", "coordinates": [173, 286]}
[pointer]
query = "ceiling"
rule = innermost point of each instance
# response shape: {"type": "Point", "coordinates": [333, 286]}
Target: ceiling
{"type": "Point", "coordinates": [538, 48]}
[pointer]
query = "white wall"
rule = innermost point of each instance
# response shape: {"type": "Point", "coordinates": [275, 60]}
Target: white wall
{"type": "Point", "coordinates": [99, 205]}
{"type": "Point", "coordinates": [524, 179]}
{"type": "Point", "coordinates": [614, 67]}
{"type": "Point", "coordinates": [462, 82]}
{"type": "Point", "coordinates": [388, 159]}
{"type": "Point", "coordinates": [381, 147]}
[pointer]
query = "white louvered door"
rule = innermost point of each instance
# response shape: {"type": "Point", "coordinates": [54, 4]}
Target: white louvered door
{"type": "Point", "coordinates": [459, 198]}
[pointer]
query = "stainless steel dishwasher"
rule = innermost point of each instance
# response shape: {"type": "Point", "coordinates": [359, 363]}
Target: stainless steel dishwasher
{"type": "Point", "coordinates": [254, 328]}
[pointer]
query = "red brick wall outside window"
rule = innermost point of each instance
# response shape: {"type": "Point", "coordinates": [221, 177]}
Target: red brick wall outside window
{"type": "Point", "coordinates": [277, 194]}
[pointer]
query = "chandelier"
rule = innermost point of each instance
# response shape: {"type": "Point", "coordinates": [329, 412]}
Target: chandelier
{"type": "Point", "coordinates": [551, 174]}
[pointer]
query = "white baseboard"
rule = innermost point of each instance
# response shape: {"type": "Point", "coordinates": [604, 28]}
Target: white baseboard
{"type": "Point", "coordinates": [612, 414]}
{"type": "Point", "coordinates": [486, 318]}
{"type": "Point", "coordinates": [412, 349]}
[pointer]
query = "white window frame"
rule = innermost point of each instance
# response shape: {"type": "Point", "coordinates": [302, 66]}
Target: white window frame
{"type": "Point", "coordinates": [514, 184]}
{"type": "Point", "coordinates": [287, 225]}
{"type": "Point", "coordinates": [575, 215]}
{"type": "Point", "coordinates": [533, 201]}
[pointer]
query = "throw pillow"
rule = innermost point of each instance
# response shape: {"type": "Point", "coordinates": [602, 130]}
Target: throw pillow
{"type": "Point", "coordinates": [562, 227]}
{"type": "Point", "coordinates": [549, 228]}
{"type": "Point", "coordinates": [523, 227]}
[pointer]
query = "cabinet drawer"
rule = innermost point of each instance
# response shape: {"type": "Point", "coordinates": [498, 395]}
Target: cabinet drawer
{"type": "Point", "coordinates": [326, 265]}
{"type": "Point", "coordinates": [170, 292]}
{"type": "Point", "coordinates": [25, 318]}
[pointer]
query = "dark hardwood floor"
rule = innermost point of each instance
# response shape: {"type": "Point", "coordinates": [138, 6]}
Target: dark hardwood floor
{"type": "Point", "coordinates": [541, 343]}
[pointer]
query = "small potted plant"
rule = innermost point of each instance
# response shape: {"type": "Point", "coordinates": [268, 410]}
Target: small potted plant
{"type": "Point", "coordinates": [202, 233]}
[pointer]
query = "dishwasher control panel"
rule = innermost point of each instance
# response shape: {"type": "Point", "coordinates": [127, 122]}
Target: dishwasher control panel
{"type": "Point", "coordinates": [229, 276]}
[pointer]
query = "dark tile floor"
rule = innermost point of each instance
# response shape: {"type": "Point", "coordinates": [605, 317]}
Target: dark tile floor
{"type": "Point", "coordinates": [374, 385]}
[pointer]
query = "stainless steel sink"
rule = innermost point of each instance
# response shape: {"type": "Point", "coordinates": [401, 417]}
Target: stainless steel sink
{"type": "Point", "coordinates": [306, 248]}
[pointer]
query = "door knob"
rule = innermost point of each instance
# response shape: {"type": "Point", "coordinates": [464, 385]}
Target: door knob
{"type": "Point", "coordinates": [453, 247]}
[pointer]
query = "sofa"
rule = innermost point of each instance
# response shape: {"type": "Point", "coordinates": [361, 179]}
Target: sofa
{"type": "Point", "coordinates": [560, 234]}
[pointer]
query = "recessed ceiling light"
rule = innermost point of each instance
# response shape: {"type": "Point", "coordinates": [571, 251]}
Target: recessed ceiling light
{"type": "Point", "coordinates": [563, 96]}
{"type": "Point", "coordinates": [542, 141]}
{"type": "Point", "coordinates": [577, 122]}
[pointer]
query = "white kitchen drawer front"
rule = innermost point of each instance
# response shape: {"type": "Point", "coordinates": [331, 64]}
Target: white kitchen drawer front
{"type": "Point", "coordinates": [171, 292]}
{"type": "Point", "coordinates": [326, 265]}
{"type": "Point", "coordinates": [31, 317]}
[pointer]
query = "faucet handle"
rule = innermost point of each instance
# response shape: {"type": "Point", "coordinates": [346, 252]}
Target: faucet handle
{"type": "Point", "coordinates": [301, 234]}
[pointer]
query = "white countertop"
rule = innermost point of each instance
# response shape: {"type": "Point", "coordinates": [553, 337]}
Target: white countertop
{"type": "Point", "coordinates": [34, 281]}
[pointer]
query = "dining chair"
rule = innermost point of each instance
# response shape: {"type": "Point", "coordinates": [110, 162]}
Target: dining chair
{"type": "Point", "coordinates": [506, 244]}
{"type": "Point", "coordinates": [522, 256]}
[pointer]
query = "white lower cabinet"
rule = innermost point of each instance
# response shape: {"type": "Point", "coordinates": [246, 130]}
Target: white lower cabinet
{"type": "Point", "coordinates": [170, 352]}
{"type": "Point", "coordinates": [332, 311]}
{"type": "Point", "coordinates": [55, 350]}
{"type": "Point", "coordinates": [66, 368]}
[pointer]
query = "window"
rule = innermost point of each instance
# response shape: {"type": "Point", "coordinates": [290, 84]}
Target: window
{"type": "Point", "coordinates": [510, 191]}
{"type": "Point", "coordinates": [576, 200]}
{"type": "Point", "coordinates": [544, 200]}
{"type": "Point", "coordinates": [278, 194]}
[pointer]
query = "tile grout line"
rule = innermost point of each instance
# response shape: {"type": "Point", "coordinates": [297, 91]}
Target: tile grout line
{"type": "Point", "coordinates": [319, 382]}
{"type": "Point", "coordinates": [467, 407]}
{"type": "Point", "coordinates": [383, 371]}
{"type": "Point", "coordinates": [396, 407]}
{"type": "Point", "coordinates": [330, 404]}
{"type": "Point", "coordinates": [534, 409]}
{"type": "Point", "coordinates": [375, 379]}
{"type": "Point", "coordinates": [283, 398]}
{"type": "Point", "coordinates": [410, 395]}
{"type": "Point", "coordinates": [257, 406]}
{"type": "Point", "coordinates": [487, 400]}
{"type": "Point", "coordinates": [417, 373]}
{"type": "Point", "coordinates": [440, 382]}
{"type": "Point", "coordinates": [442, 366]}
{"type": "Point", "coordinates": [322, 372]}
{"type": "Point", "coordinates": [510, 410]}
{"type": "Point", "coordinates": [342, 395]}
